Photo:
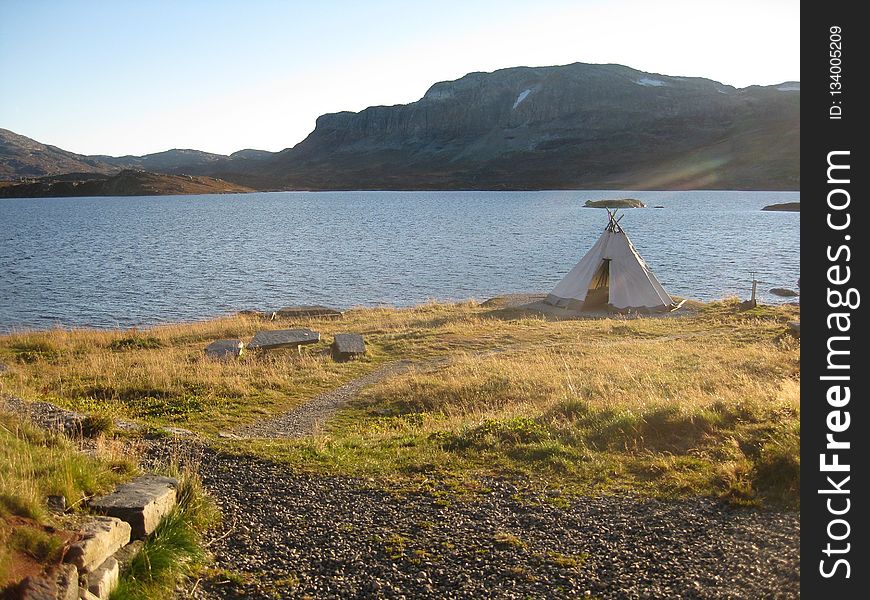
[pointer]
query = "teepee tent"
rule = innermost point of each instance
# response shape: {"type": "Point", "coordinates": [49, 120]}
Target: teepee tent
{"type": "Point", "coordinates": [611, 275]}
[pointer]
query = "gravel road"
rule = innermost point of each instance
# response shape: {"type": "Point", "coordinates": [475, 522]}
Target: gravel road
{"type": "Point", "coordinates": [297, 536]}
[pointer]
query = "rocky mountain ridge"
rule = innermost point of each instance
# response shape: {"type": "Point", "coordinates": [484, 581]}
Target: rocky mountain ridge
{"type": "Point", "coordinates": [571, 126]}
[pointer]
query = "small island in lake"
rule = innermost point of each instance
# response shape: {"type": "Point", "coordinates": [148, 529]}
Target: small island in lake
{"type": "Point", "coordinates": [785, 206]}
{"type": "Point", "coordinates": [615, 203]}
{"type": "Point", "coordinates": [126, 183]}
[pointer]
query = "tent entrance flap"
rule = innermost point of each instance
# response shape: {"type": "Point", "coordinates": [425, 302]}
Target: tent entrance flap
{"type": "Point", "coordinates": [598, 293]}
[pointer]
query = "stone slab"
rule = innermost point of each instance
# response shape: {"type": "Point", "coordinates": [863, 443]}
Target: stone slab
{"type": "Point", "coordinates": [142, 502]}
{"type": "Point", "coordinates": [100, 539]}
{"type": "Point", "coordinates": [223, 349]}
{"type": "Point", "coordinates": [308, 311]}
{"type": "Point", "coordinates": [283, 338]}
{"type": "Point", "coordinates": [103, 580]}
{"type": "Point", "coordinates": [348, 345]}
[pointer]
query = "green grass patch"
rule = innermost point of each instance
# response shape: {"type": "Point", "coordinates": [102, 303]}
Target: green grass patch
{"type": "Point", "coordinates": [135, 342]}
{"type": "Point", "coordinates": [35, 464]}
{"type": "Point", "coordinates": [174, 551]}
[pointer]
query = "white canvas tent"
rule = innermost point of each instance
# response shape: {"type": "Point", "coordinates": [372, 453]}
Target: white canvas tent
{"type": "Point", "coordinates": [612, 275]}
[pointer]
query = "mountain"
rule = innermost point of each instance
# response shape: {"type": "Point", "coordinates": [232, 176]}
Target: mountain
{"type": "Point", "coordinates": [124, 183]}
{"type": "Point", "coordinates": [572, 126]}
{"type": "Point", "coordinates": [23, 157]}
{"type": "Point", "coordinates": [170, 161]}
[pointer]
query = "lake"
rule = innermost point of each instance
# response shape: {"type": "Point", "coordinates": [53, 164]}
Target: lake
{"type": "Point", "coordinates": [121, 262]}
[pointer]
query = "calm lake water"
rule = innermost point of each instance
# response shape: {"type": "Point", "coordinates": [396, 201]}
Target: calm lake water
{"type": "Point", "coordinates": [109, 262]}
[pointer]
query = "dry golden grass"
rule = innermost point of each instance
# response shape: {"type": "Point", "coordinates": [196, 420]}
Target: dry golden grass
{"type": "Point", "coordinates": [704, 404]}
{"type": "Point", "coordinates": [701, 403]}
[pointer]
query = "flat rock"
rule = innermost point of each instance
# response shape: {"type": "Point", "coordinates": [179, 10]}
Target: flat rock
{"type": "Point", "coordinates": [308, 311]}
{"type": "Point", "coordinates": [615, 203]}
{"type": "Point", "coordinates": [283, 338]}
{"type": "Point", "coordinates": [142, 503]}
{"type": "Point", "coordinates": [784, 206]}
{"type": "Point", "coordinates": [784, 292]}
{"type": "Point", "coordinates": [348, 345]}
{"type": "Point", "coordinates": [103, 580]}
{"type": "Point", "coordinates": [59, 583]}
{"type": "Point", "coordinates": [223, 349]}
{"type": "Point", "coordinates": [100, 539]}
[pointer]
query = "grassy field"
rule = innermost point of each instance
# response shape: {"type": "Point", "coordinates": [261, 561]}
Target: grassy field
{"type": "Point", "coordinates": [33, 465]}
{"type": "Point", "coordinates": [704, 403]}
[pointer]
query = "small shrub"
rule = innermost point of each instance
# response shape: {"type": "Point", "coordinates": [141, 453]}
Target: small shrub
{"type": "Point", "coordinates": [135, 342]}
{"type": "Point", "coordinates": [566, 561]}
{"type": "Point", "coordinates": [31, 352]}
{"type": "Point", "coordinates": [93, 426]}
{"type": "Point", "coordinates": [492, 432]}
{"type": "Point", "coordinates": [505, 539]}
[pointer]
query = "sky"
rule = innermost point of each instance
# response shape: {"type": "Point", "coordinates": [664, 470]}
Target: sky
{"type": "Point", "coordinates": [133, 77]}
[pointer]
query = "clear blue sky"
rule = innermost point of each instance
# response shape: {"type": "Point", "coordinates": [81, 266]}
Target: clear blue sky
{"type": "Point", "coordinates": [132, 77]}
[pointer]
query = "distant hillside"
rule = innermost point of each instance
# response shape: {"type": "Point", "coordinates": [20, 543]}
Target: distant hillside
{"type": "Point", "coordinates": [125, 183]}
{"type": "Point", "coordinates": [23, 157]}
{"type": "Point", "coordinates": [572, 126]}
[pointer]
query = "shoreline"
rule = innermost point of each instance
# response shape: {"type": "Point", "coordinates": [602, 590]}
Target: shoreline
{"type": "Point", "coordinates": [512, 300]}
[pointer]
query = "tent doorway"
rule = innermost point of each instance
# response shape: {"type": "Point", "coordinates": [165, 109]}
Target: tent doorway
{"type": "Point", "coordinates": [599, 288]}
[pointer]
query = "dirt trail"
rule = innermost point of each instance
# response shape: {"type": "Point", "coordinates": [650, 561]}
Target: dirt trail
{"type": "Point", "coordinates": [307, 418]}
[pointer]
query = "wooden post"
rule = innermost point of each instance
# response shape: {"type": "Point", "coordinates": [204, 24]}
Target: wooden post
{"type": "Point", "coordinates": [754, 285]}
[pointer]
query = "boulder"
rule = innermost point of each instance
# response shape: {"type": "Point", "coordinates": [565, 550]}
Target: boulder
{"type": "Point", "coordinates": [348, 345]}
{"type": "Point", "coordinates": [142, 503]}
{"type": "Point", "coordinates": [223, 349]}
{"type": "Point", "coordinates": [59, 583]}
{"type": "Point", "coordinates": [100, 539]}
{"type": "Point", "coordinates": [308, 311]}
{"type": "Point", "coordinates": [56, 503]}
{"type": "Point", "coordinates": [283, 338]}
{"type": "Point", "coordinates": [746, 305]}
{"type": "Point", "coordinates": [103, 580]}
{"type": "Point", "coordinates": [794, 327]}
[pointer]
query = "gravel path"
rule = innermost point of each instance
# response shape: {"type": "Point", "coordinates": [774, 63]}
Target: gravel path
{"type": "Point", "coordinates": [295, 536]}
{"type": "Point", "coordinates": [309, 417]}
